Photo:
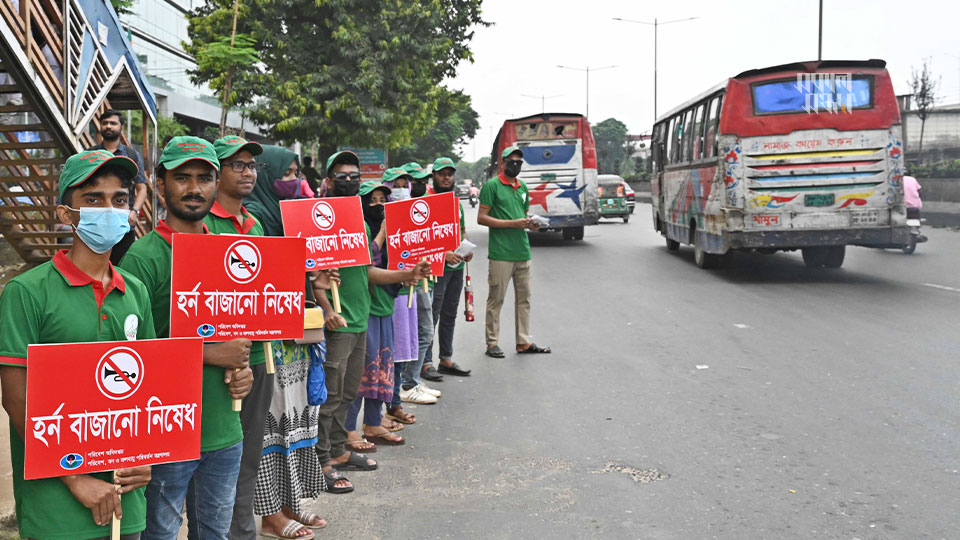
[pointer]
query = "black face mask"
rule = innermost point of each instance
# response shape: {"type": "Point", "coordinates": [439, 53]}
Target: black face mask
{"type": "Point", "coordinates": [418, 189]}
{"type": "Point", "coordinates": [373, 215]}
{"type": "Point", "coordinates": [345, 188]}
{"type": "Point", "coordinates": [440, 189]}
{"type": "Point", "coordinates": [512, 169]}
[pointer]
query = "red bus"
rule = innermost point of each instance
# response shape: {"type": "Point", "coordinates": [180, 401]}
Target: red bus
{"type": "Point", "coordinates": [801, 156]}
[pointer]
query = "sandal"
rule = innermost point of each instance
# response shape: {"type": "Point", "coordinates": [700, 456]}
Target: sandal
{"type": "Point", "coordinates": [356, 462]}
{"type": "Point", "coordinates": [362, 445]}
{"type": "Point", "coordinates": [308, 518]}
{"type": "Point", "coordinates": [387, 439]}
{"type": "Point", "coordinates": [290, 531]}
{"type": "Point", "coordinates": [495, 352]}
{"type": "Point", "coordinates": [533, 349]}
{"type": "Point", "coordinates": [398, 415]}
{"type": "Point", "coordinates": [332, 476]}
{"type": "Point", "coordinates": [391, 425]}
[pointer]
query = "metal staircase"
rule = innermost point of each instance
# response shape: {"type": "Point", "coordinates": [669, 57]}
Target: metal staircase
{"type": "Point", "coordinates": [61, 64]}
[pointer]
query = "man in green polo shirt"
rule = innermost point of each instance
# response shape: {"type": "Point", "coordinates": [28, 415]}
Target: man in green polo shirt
{"type": "Point", "coordinates": [238, 176]}
{"type": "Point", "coordinates": [187, 181]}
{"type": "Point", "coordinates": [77, 297]}
{"type": "Point", "coordinates": [446, 293]}
{"type": "Point", "coordinates": [346, 335]}
{"type": "Point", "coordinates": [504, 202]}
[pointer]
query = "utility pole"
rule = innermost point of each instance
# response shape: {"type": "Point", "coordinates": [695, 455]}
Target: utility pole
{"type": "Point", "coordinates": [587, 70]}
{"type": "Point", "coordinates": [820, 35]}
{"type": "Point", "coordinates": [542, 99]}
{"type": "Point", "coordinates": [654, 24]}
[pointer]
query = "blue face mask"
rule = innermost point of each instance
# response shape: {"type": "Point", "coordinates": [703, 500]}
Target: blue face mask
{"type": "Point", "coordinates": [101, 228]}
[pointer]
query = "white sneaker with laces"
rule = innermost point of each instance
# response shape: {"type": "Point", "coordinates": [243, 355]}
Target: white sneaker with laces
{"type": "Point", "coordinates": [431, 391]}
{"type": "Point", "coordinates": [416, 395]}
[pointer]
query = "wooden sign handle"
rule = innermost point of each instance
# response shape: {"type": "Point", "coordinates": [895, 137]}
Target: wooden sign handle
{"type": "Point", "coordinates": [335, 291]}
{"type": "Point", "coordinates": [410, 297]}
{"type": "Point", "coordinates": [237, 403]}
{"type": "Point", "coordinates": [114, 522]}
{"type": "Point", "coordinates": [426, 287]}
{"type": "Point", "coordinates": [268, 352]}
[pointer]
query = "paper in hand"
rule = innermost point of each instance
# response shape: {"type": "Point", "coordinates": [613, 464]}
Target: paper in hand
{"type": "Point", "coordinates": [466, 248]}
{"type": "Point", "coordinates": [540, 221]}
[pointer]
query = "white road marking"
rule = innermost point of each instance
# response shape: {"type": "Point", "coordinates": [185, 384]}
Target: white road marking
{"type": "Point", "coordinates": [943, 287]}
{"type": "Point", "coordinates": [741, 325]}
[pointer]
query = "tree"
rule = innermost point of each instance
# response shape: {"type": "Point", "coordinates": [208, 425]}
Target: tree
{"type": "Point", "coordinates": [122, 7]}
{"type": "Point", "coordinates": [612, 142]}
{"type": "Point", "coordinates": [474, 171]}
{"type": "Point", "coordinates": [227, 64]}
{"type": "Point", "coordinates": [456, 122]}
{"type": "Point", "coordinates": [923, 89]}
{"type": "Point", "coordinates": [167, 128]}
{"type": "Point", "coordinates": [352, 72]}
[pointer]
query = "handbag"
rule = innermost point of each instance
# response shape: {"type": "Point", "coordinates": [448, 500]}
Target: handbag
{"type": "Point", "coordinates": [312, 326]}
{"type": "Point", "coordinates": [316, 378]}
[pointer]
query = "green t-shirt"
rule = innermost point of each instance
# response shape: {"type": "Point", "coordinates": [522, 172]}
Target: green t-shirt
{"type": "Point", "coordinates": [57, 303]}
{"type": "Point", "coordinates": [150, 259]}
{"type": "Point", "coordinates": [381, 301]}
{"type": "Point", "coordinates": [354, 297]}
{"type": "Point", "coordinates": [506, 201]}
{"type": "Point", "coordinates": [219, 221]}
{"type": "Point", "coordinates": [463, 231]}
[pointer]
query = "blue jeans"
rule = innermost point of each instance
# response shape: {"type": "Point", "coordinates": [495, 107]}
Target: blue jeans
{"type": "Point", "coordinates": [209, 486]}
{"type": "Point", "coordinates": [372, 413]}
{"type": "Point", "coordinates": [397, 372]}
{"type": "Point", "coordinates": [446, 303]}
{"type": "Point", "coordinates": [411, 370]}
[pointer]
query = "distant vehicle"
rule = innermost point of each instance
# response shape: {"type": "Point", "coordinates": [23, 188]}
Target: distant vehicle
{"type": "Point", "coordinates": [612, 195]}
{"type": "Point", "coordinates": [559, 168]}
{"type": "Point", "coordinates": [631, 196]}
{"type": "Point", "coordinates": [801, 156]}
{"type": "Point", "coordinates": [461, 190]}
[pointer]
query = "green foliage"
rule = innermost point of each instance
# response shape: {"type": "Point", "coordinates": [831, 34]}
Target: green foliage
{"type": "Point", "coordinates": [167, 128]}
{"type": "Point", "coordinates": [456, 122]}
{"type": "Point", "coordinates": [353, 72]}
{"type": "Point", "coordinates": [613, 145]}
{"type": "Point", "coordinates": [474, 171]}
{"type": "Point", "coordinates": [942, 169]}
{"type": "Point", "coordinates": [122, 7]}
{"type": "Point", "coordinates": [923, 88]}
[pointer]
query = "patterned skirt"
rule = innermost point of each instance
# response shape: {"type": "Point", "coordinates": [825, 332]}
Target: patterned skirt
{"type": "Point", "coordinates": [377, 381]}
{"type": "Point", "coordinates": [289, 469]}
{"type": "Point", "coordinates": [406, 345]}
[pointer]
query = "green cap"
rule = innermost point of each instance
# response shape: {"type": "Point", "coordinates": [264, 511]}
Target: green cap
{"type": "Point", "coordinates": [415, 170]}
{"type": "Point", "coordinates": [392, 174]}
{"type": "Point", "coordinates": [79, 167]}
{"type": "Point", "coordinates": [231, 144]}
{"type": "Point", "coordinates": [343, 156]}
{"type": "Point", "coordinates": [371, 185]}
{"type": "Point", "coordinates": [443, 163]}
{"type": "Point", "coordinates": [183, 149]}
{"type": "Point", "coordinates": [511, 149]}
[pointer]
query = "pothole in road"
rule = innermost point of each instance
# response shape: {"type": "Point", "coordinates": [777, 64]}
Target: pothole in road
{"type": "Point", "coordinates": [640, 476]}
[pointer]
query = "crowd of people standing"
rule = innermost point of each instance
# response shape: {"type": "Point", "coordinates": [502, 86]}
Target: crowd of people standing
{"type": "Point", "coordinates": [286, 444]}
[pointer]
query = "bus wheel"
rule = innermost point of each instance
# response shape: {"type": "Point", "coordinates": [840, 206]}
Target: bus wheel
{"type": "Point", "coordinates": [573, 233]}
{"type": "Point", "coordinates": [626, 218]}
{"type": "Point", "coordinates": [814, 257]}
{"type": "Point", "coordinates": [702, 258]}
{"type": "Point", "coordinates": [834, 256]}
{"type": "Point", "coordinates": [672, 245]}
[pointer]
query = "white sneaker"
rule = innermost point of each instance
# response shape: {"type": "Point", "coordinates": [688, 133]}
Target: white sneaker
{"type": "Point", "coordinates": [431, 391]}
{"type": "Point", "coordinates": [416, 395]}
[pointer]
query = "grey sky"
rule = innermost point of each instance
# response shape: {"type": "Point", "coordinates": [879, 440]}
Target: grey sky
{"type": "Point", "coordinates": [518, 54]}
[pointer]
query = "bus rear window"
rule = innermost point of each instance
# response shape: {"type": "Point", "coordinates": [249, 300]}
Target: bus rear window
{"type": "Point", "coordinates": [532, 131]}
{"type": "Point", "coordinates": [817, 95]}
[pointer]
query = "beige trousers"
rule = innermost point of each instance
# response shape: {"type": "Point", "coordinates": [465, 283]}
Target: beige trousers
{"type": "Point", "coordinates": [498, 277]}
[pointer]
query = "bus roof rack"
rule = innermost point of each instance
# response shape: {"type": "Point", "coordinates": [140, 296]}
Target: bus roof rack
{"type": "Point", "coordinates": [814, 65]}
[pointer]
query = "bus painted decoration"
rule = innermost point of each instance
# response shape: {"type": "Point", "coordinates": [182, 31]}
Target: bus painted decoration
{"type": "Point", "coordinates": [119, 404]}
{"type": "Point", "coordinates": [732, 174]}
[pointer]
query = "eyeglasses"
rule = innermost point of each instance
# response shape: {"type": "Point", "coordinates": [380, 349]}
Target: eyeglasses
{"type": "Point", "coordinates": [354, 176]}
{"type": "Point", "coordinates": [514, 162]}
{"type": "Point", "coordinates": [293, 170]}
{"type": "Point", "coordinates": [252, 166]}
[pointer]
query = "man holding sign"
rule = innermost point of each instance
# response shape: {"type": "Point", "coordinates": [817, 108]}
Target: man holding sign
{"type": "Point", "coordinates": [187, 181]}
{"type": "Point", "coordinates": [77, 297]}
{"type": "Point", "coordinates": [346, 338]}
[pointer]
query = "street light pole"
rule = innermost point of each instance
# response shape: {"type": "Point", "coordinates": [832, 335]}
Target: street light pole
{"type": "Point", "coordinates": [654, 24]}
{"type": "Point", "coordinates": [820, 35]}
{"type": "Point", "coordinates": [543, 98]}
{"type": "Point", "coordinates": [587, 70]}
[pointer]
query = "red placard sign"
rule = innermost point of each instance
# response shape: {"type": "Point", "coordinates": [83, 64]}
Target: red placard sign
{"type": "Point", "coordinates": [334, 230]}
{"type": "Point", "coordinates": [225, 287]}
{"type": "Point", "coordinates": [422, 227]}
{"type": "Point", "coordinates": [95, 407]}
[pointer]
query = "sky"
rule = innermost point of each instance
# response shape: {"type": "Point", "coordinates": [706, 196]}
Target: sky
{"type": "Point", "coordinates": [519, 53]}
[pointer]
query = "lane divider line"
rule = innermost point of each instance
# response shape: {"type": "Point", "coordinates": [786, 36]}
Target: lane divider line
{"type": "Point", "coordinates": [943, 287]}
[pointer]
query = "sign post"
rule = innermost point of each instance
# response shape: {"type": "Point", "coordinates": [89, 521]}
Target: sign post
{"type": "Point", "coordinates": [336, 236]}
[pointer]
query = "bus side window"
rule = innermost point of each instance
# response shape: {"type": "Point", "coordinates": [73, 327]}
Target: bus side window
{"type": "Point", "coordinates": [668, 138]}
{"type": "Point", "coordinates": [656, 154]}
{"type": "Point", "coordinates": [710, 138]}
{"type": "Point", "coordinates": [677, 136]}
{"type": "Point", "coordinates": [687, 136]}
{"type": "Point", "coordinates": [698, 133]}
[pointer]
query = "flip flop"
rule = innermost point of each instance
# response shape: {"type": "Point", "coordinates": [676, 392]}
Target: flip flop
{"type": "Point", "coordinates": [356, 462]}
{"type": "Point", "coordinates": [290, 531]}
{"type": "Point", "coordinates": [397, 415]}
{"type": "Point", "coordinates": [352, 445]}
{"type": "Point", "coordinates": [331, 477]}
{"type": "Point", "coordinates": [306, 518]}
{"type": "Point", "coordinates": [387, 441]}
{"type": "Point", "coordinates": [533, 349]}
{"type": "Point", "coordinates": [391, 425]}
{"type": "Point", "coordinates": [495, 352]}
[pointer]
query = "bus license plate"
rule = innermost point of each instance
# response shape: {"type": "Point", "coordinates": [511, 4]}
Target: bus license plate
{"type": "Point", "coordinates": [548, 177]}
{"type": "Point", "coordinates": [818, 199]}
{"type": "Point", "coordinates": [870, 217]}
